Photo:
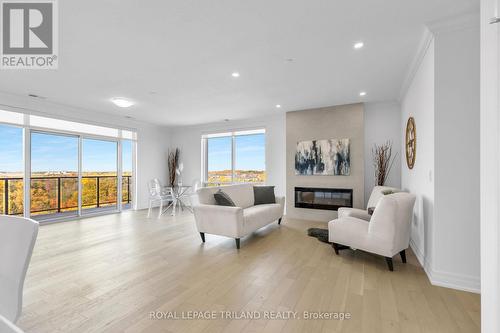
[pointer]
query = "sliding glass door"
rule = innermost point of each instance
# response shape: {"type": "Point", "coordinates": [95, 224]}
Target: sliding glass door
{"type": "Point", "coordinates": [11, 170]}
{"type": "Point", "coordinates": [127, 170]}
{"type": "Point", "coordinates": [53, 169]}
{"type": "Point", "coordinates": [54, 175]}
{"type": "Point", "coordinates": [99, 175]}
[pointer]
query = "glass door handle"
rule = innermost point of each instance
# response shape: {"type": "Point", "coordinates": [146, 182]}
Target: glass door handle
{"type": "Point", "coordinates": [494, 20]}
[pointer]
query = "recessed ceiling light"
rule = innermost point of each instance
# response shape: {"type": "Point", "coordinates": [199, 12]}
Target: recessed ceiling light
{"type": "Point", "coordinates": [278, 106]}
{"type": "Point", "coordinates": [358, 45]}
{"type": "Point", "coordinates": [363, 93]}
{"type": "Point", "coordinates": [235, 74]}
{"type": "Point", "coordinates": [122, 102]}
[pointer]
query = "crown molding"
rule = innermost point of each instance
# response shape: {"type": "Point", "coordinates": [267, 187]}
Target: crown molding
{"type": "Point", "coordinates": [458, 22]}
{"type": "Point", "coordinates": [422, 49]}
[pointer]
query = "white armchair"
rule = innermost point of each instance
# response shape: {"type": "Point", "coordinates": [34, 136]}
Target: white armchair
{"type": "Point", "coordinates": [387, 234]}
{"type": "Point", "coordinates": [375, 196]}
{"type": "Point", "coordinates": [17, 239]}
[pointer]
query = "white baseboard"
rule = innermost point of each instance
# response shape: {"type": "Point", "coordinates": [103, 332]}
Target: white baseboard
{"type": "Point", "coordinates": [455, 281]}
{"type": "Point", "coordinates": [446, 279]}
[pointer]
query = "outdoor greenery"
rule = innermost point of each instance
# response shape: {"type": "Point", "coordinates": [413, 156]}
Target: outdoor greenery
{"type": "Point", "coordinates": [44, 192]}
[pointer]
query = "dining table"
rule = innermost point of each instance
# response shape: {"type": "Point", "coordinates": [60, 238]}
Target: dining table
{"type": "Point", "coordinates": [180, 193]}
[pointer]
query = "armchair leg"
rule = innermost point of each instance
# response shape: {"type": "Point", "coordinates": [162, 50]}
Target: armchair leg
{"type": "Point", "coordinates": [338, 247]}
{"type": "Point", "coordinates": [279, 220]}
{"type": "Point", "coordinates": [202, 234]}
{"type": "Point", "coordinates": [403, 256]}
{"type": "Point", "coordinates": [389, 263]}
{"type": "Point", "coordinates": [237, 243]}
{"type": "Point", "coordinates": [335, 248]}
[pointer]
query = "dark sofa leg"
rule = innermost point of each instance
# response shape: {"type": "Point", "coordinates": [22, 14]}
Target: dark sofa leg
{"type": "Point", "coordinates": [202, 234]}
{"type": "Point", "coordinates": [279, 220]}
{"type": "Point", "coordinates": [336, 248]}
{"type": "Point", "coordinates": [237, 243]}
{"type": "Point", "coordinates": [403, 256]}
{"type": "Point", "coordinates": [389, 263]}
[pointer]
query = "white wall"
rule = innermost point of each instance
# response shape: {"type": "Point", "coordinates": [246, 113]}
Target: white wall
{"type": "Point", "coordinates": [456, 205]}
{"type": "Point", "coordinates": [382, 124]}
{"type": "Point", "coordinates": [152, 150]}
{"type": "Point", "coordinates": [152, 140]}
{"type": "Point", "coordinates": [418, 102]}
{"type": "Point", "coordinates": [188, 140]}
{"type": "Point", "coordinates": [490, 169]}
{"type": "Point", "coordinates": [343, 121]}
{"type": "Point", "coordinates": [443, 97]}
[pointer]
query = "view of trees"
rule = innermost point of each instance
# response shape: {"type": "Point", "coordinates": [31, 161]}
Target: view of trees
{"type": "Point", "coordinates": [240, 176]}
{"type": "Point", "coordinates": [15, 193]}
{"type": "Point", "coordinates": [45, 192]}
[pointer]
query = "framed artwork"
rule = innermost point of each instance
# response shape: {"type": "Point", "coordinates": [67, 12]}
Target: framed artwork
{"type": "Point", "coordinates": [323, 157]}
{"type": "Point", "coordinates": [411, 142]}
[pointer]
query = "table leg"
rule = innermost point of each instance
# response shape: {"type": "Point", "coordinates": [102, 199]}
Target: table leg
{"type": "Point", "coordinates": [174, 207]}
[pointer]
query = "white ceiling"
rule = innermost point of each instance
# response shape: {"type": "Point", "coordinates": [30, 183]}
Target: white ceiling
{"type": "Point", "coordinates": [175, 58]}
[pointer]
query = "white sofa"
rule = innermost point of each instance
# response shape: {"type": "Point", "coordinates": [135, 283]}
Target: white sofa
{"type": "Point", "coordinates": [372, 202]}
{"type": "Point", "coordinates": [387, 233]}
{"type": "Point", "coordinates": [235, 222]}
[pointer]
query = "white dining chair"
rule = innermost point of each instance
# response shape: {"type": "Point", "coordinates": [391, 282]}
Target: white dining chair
{"type": "Point", "coordinates": [17, 239]}
{"type": "Point", "coordinates": [6, 326]}
{"type": "Point", "coordinates": [196, 185]}
{"type": "Point", "coordinates": [159, 194]}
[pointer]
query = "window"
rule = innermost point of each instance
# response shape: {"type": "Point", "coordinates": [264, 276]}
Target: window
{"type": "Point", "coordinates": [99, 175]}
{"type": "Point", "coordinates": [68, 169]}
{"type": "Point", "coordinates": [11, 170]}
{"type": "Point", "coordinates": [54, 175]}
{"type": "Point", "coordinates": [234, 157]}
{"type": "Point", "coordinates": [127, 171]}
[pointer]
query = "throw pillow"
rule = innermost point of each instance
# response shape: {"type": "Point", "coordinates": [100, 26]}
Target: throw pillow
{"type": "Point", "coordinates": [264, 195]}
{"type": "Point", "coordinates": [222, 199]}
{"type": "Point", "coordinates": [387, 192]}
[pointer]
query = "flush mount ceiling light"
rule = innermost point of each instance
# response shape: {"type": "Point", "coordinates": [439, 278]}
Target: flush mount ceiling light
{"type": "Point", "coordinates": [358, 45]}
{"type": "Point", "coordinates": [363, 93]}
{"type": "Point", "coordinates": [278, 106]}
{"type": "Point", "coordinates": [122, 102]}
{"type": "Point", "coordinates": [235, 74]}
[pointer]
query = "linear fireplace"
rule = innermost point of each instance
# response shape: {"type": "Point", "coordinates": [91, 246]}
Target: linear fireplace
{"type": "Point", "coordinates": [322, 198]}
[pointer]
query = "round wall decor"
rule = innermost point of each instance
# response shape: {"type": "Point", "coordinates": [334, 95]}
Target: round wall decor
{"type": "Point", "coordinates": [411, 142]}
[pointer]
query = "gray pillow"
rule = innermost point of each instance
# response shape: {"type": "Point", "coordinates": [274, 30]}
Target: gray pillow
{"type": "Point", "coordinates": [264, 195]}
{"type": "Point", "coordinates": [222, 199]}
{"type": "Point", "coordinates": [387, 192]}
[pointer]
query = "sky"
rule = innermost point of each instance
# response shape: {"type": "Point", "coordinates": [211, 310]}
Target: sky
{"type": "Point", "coordinates": [59, 153]}
{"type": "Point", "coordinates": [250, 153]}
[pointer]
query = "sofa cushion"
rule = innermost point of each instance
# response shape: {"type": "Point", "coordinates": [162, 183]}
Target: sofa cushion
{"type": "Point", "coordinates": [258, 216]}
{"type": "Point", "coordinates": [264, 195]}
{"type": "Point", "coordinates": [241, 194]}
{"type": "Point", "coordinates": [222, 199]}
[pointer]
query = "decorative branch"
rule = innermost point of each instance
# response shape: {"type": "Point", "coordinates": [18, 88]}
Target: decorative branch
{"type": "Point", "coordinates": [173, 161]}
{"type": "Point", "coordinates": [382, 161]}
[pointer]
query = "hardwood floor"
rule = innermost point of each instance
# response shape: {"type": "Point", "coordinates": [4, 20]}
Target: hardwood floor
{"type": "Point", "coordinates": [107, 274]}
